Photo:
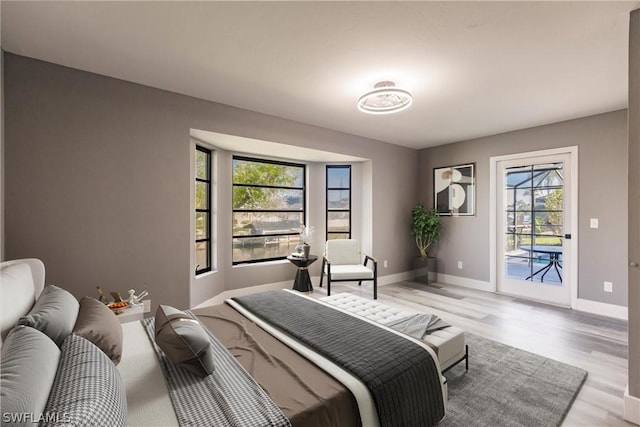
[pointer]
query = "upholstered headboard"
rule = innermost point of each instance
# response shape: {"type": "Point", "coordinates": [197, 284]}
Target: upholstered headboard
{"type": "Point", "coordinates": [21, 282]}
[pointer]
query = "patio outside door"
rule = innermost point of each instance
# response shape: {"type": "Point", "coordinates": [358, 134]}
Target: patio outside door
{"type": "Point", "coordinates": [533, 228]}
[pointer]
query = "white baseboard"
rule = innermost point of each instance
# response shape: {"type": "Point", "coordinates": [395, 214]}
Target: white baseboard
{"type": "Point", "coordinates": [466, 282]}
{"type": "Point", "coordinates": [601, 308]}
{"type": "Point", "coordinates": [394, 278]}
{"type": "Point", "coordinates": [631, 408]}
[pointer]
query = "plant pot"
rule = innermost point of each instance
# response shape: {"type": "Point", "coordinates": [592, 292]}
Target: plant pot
{"type": "Point", "coordinates": [425, 269]}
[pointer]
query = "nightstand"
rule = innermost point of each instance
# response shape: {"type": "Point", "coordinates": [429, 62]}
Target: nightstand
{"type": "Point", "coordinates": [130, 314]}
{"type": "Point", "coordinates": [302, 282]}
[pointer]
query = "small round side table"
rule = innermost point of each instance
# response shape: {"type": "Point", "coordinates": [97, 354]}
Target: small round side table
{"type": "Point", "coordinates": [302, 282]}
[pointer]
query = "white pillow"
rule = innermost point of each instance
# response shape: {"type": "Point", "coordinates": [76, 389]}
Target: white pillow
{"type": "Point", "coordinates": [54, 313]}
{"type": "Point", "coordinates": [29, 365]}
{"type": "Point", "coordinates": [18, 295]}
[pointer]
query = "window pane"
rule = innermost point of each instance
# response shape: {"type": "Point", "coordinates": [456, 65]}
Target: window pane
{"type": "Point", "coordinates": [259, 173]}
{"type": "Point", "coordinates": [519, 177]}
{"type": "Point", "coordinates": [338, 199]}
{"type": "Point", "coordinates": [338, 222]}
{"type": "Point", "coordinates": [509, 201]}
{"type": "Point", "coordinates": [548, 230]}
{"type": "Point", "coordinates": [256, 224]}
{"type": "Point", "coordinates": [548, 240]}
{"type": "Point", "coordinates": [202, 165]}
{"type": "Point", "coordinates": [267, 198]}
{"type": "Point", "coordinates": [202, 225]}
{"type": "Point", "coordinates": [510, 242]}
{"type": "Point", "coordinates": [263, 247]}
{"type": "Point", "coordinates": [549, 199]}
{"type": "Point", "coordinates": [338, 177]}
{"type": "Point", "coordinates": [333, 236]}
{"type": "Point", "coordinates": [202, 194]}
{"type": "Point", "coordinates": [517, 244]}
{"type": "Point", "coordinates": [202, 255]}
{"type": "Point", "coordinates": [523, 200]}
{"type": "Point", "coordinates": [517, 267]}
{"type": "Point", "coordinates": [522, 222]}
{"type": "Point", "coordinates": [547, 219]}
{"type": "Point", "coordinates": [548, 178]}
{"type": "Point", "coordinates": [266, 189]}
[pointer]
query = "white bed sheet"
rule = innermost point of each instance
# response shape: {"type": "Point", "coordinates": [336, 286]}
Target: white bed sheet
{"type": "Point", "coordinates": [148, 400]}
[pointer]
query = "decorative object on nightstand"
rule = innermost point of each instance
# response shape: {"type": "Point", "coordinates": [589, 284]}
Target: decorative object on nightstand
{"type": "Point", "coordinates": [116, 296]}
{"type": "Point", "coordinates": [137, 299]}
{"type": "Point", "coordinates": [305, 235]}
{"type": "Point", "coordinates": [301, 251]}
{"type": "Point", "coordinates": [101, 296]}
{"type": "Point", "coordinates": [118, 307]}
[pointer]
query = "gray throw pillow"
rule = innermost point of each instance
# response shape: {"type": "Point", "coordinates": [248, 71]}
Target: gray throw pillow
{"type": "Point", "coordinates": [98, 324]}
{"type": "Point", "coordinates": [184, 341]}
{"type": "Point", "coordinates": [88, 389]}
{"type": "Point", "coordinates": [54, 314]}
{"type": "Point", "coordinates": [28, 368]}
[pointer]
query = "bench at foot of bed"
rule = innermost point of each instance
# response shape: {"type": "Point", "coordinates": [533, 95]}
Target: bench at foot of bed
{"type": "Point", "coordinates": [448, 343]}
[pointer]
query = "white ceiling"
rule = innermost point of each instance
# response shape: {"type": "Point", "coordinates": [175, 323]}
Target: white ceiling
{"type": "Point", "coordinates": [475, 68]}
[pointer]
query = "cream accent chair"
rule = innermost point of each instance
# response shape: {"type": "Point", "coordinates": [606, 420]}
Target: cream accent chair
{"type": "Point", "coordinates": [342, 262]}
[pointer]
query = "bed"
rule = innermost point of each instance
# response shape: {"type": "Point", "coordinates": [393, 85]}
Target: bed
{"type": "Point", "coordinates": [302, 381]}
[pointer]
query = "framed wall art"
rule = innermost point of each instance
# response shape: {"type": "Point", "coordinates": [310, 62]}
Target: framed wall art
{"type": "Point", "coordinates": [454, 190]}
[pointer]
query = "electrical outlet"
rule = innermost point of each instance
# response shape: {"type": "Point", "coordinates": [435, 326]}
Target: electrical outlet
{"type": "Point", "coordinates": [608, 286]}
{"type": "Point", "coordinates": [460, 265]}
{"type": "Point", "coordinates": [593, 222]}
{"type": "Point", "coordinates": [386, 264]}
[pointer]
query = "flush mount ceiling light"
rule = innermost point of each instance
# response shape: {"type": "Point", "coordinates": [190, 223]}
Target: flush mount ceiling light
{"type": "Point", "coordinates": [385, 98]}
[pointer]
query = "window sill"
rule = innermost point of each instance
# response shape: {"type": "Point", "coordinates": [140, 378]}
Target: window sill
{"type": "Point", "coordinates": [205, 275]}
{"type": "Point", "coordinates": [262, 263]}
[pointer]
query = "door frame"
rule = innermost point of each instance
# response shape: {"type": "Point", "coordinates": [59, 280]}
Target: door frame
{"type": "Point", "coordinates": [573, 242]}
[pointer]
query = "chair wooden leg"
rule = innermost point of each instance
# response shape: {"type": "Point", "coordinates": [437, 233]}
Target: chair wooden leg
{"type": "Point", "coordinates": [328, 285]}
{"type": "Point", "coordinates": [322, 272]}
{"type": "Point", "coordinates": [360, 283]}
{"type": "Point", "coordinates": [375, 288]}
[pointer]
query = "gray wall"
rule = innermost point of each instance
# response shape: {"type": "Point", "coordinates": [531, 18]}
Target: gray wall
{"type": "Point", "coordinates": [98, 182]}
{"type": "Point", "coordinates": [602, 153]}
{"type": "Point", "coordinates": [634, 204]}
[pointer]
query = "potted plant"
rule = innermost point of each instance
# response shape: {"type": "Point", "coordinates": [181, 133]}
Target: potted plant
{"type": "Point", "coordinates": [425, 227]}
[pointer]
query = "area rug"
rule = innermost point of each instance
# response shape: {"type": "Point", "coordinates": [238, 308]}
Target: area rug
{"type": "Point", "coordinates": [506, 386]}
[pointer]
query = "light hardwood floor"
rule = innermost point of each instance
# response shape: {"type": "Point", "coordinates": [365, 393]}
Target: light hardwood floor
{"type": "Point", "coordinates": [597, 344]}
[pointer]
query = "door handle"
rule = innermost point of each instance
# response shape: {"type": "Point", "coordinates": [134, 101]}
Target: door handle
{"type": "Point", "coordinates": [567, 236]}
{"type": "Point", "coordinates": [633, 264]}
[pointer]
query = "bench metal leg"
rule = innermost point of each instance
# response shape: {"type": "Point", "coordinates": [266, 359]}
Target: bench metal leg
{"type": "Point", "coordinates": [465, 358]}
